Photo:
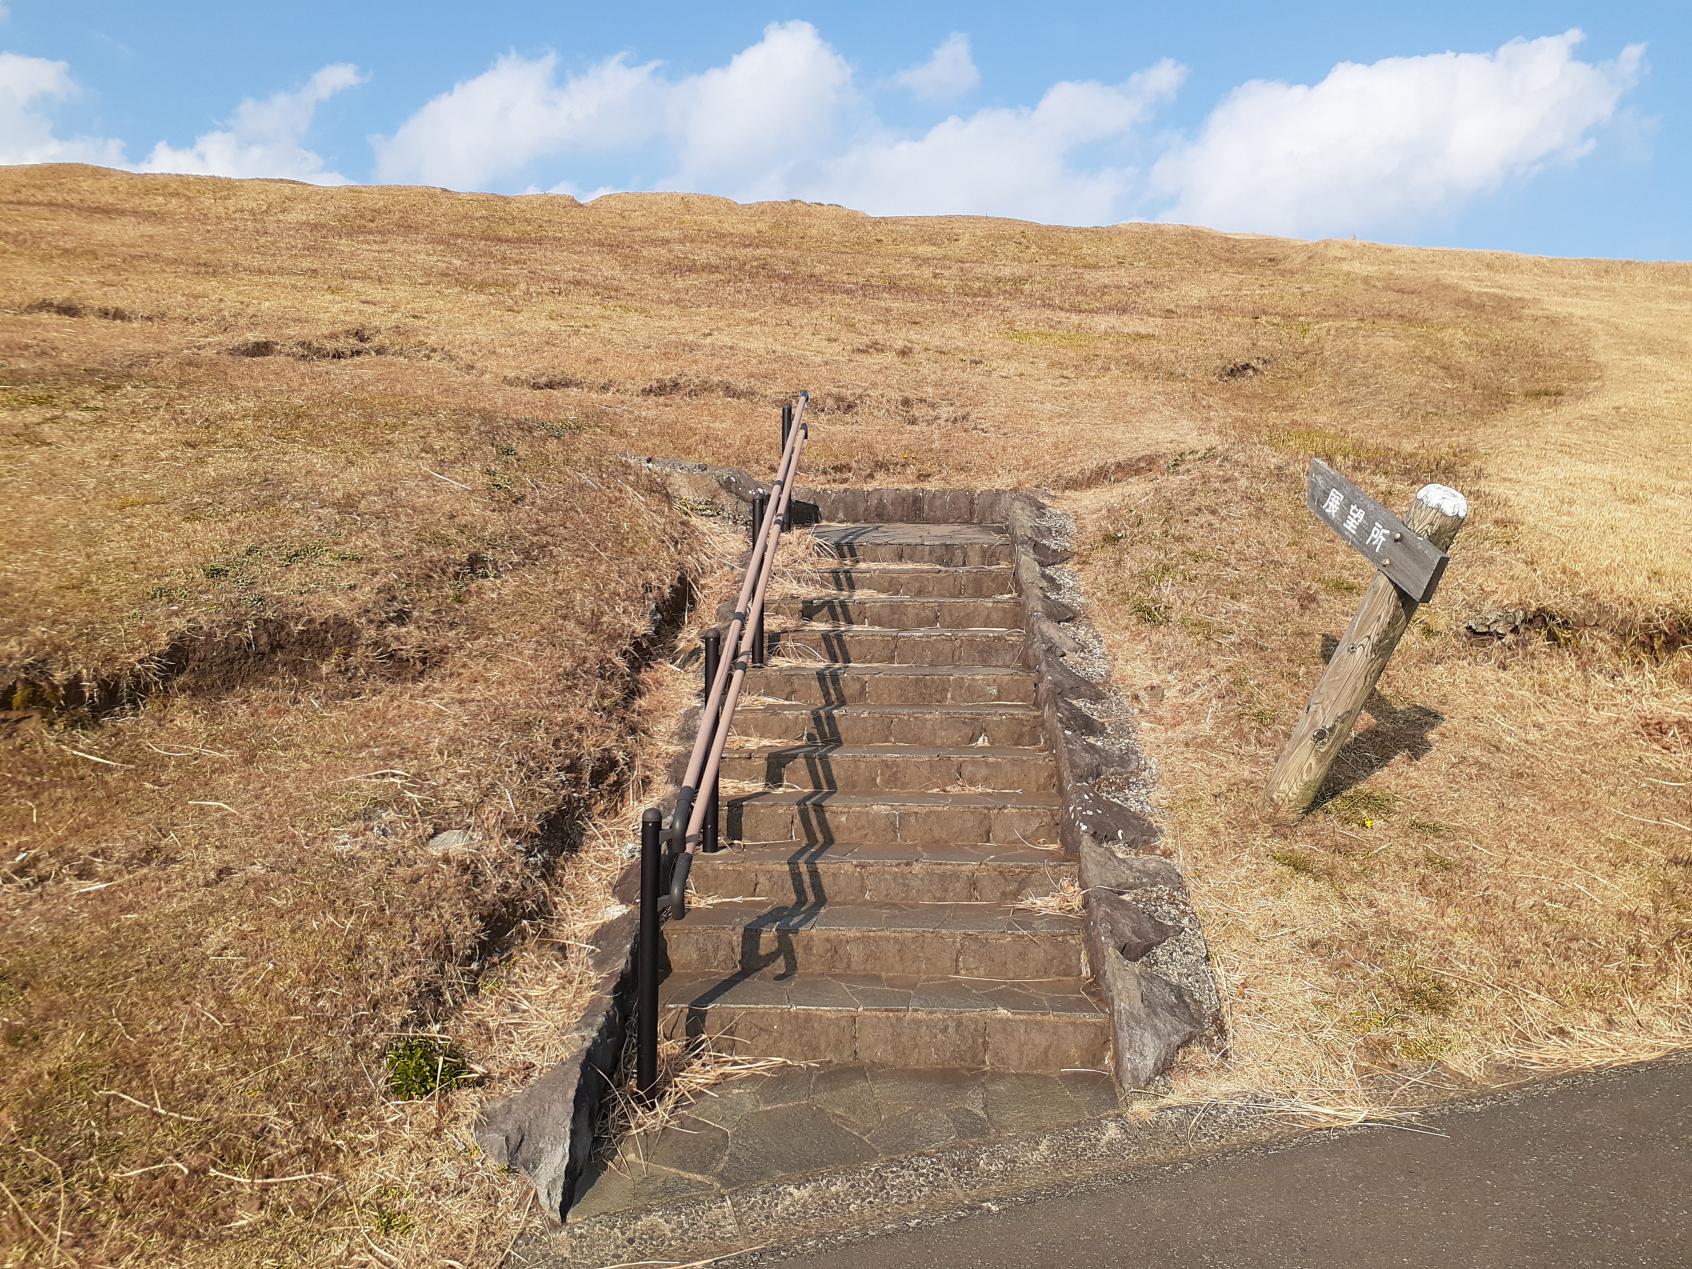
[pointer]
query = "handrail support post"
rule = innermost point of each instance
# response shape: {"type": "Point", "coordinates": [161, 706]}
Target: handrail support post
{"type": "Point", "coordinates": [786, 431]}
{"type": "Point", "coordinates": [760, 508]}
{"type": "Point", "coordinates": [713, 655]}
{"type": "Point", "coordinates": [646, 968]}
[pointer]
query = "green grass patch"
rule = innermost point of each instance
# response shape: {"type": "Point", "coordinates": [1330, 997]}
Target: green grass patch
{"type": "Point", "coordinates": [1150, 612]}
{"type": "Point", "coordinates": [1298, 861]}
{"type": "Point", "coordinates": [1421, 992]}
{"type": "Point", "coordinates": [1074, 338]}
{"type": "Point", "coordinates": [420, 1066]}
{"type": "Point", "coordinates": [1360, 807]}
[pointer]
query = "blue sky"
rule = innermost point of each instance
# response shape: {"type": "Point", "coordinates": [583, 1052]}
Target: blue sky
{"type": "Point", "coordinates": [1550, 128]}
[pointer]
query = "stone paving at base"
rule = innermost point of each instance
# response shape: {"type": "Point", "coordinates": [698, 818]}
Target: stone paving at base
{"type": "Point", "coordinates": [801, 1120]}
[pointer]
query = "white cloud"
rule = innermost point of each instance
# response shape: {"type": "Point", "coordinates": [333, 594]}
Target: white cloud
{"type": "Point", "coordinates": [948, 74]}
{"type": "Point", "coordinates": [30, 89]}
{"type": "Point", "coordinates": [783, 119]}
{"type": "Point", "coordinates": [266, 138]}
{"type": "Point", "coordinates": [577, 192]}
{"type": "Point", "coordinates": [776, 104]}
{"type": "Point", "coordinates": [1010, 162]}
{"type": "Point", "coordinates": [734, 127]}
{"type": "Point", "coordinates": [1392, 143]}
{"type": "Point", "coordinates": [489, 128]}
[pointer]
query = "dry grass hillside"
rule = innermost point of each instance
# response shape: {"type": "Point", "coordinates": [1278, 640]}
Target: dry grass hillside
{"type": "Point", "coordinates": [320, 541]}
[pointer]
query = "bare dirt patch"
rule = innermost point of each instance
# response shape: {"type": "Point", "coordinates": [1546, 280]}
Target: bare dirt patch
{"type": "Point", "coordinates": [76, 308]}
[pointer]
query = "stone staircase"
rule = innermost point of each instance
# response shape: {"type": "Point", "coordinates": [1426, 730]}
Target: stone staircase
{"type": "Point", "coordinates": [890, 806]}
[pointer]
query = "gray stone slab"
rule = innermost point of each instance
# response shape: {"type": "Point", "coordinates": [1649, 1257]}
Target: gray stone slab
{"type": "Point", "coordinates": [790, 1141]}
{"type": "Point", "coordinates": [1095, 1093]}
{"type": "Point", "coordinates": [693, 1147]}
{"type": "Point", "coordinates": [634, 1186]}
{"type": "Point", "coordinates": [918, 1128]}
{"type": "Point", "coordinates": [906, 1088]}
{"type": "Point", "coordinates": [784, 1086]}
{"type": "Point", "coordinates": [849, 1095]}
{"type": "Point", "coordinates": [727, 1106]}
{"type": "Point", "coordinates": [1025, 1103]}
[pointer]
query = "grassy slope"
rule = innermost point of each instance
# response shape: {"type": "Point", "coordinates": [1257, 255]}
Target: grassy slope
{"type": "Point", "coordinates": [352, 455]}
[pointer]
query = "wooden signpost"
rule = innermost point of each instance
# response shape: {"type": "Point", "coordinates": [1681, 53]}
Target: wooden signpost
{"type": "Point", "coordinates": [1409, 556]}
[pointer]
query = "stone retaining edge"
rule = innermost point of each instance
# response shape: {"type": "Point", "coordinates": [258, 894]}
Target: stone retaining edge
{"type": "Point", "coordinates": [1144, 946]}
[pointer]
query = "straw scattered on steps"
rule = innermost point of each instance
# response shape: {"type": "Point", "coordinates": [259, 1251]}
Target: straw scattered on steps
{"type": "Point", "coordinates": [688, 1070]}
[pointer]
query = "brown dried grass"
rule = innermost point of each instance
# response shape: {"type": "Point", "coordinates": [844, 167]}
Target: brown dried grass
{"type": "Point", "coordinates": [1495, 882]}
{"type": "Point", "coordinates": [1067, 898]}
{"type": "Point", "coordinates": [688, 1072]}
{"type": "Point", "coordinates": [356, 463]}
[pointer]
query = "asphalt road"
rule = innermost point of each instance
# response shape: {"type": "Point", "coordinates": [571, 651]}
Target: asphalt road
{"type": "Point", "coordinates": [1587, 1171]}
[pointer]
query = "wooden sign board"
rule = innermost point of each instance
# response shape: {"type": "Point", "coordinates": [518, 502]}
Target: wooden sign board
{"type": "Point", "coordinates": [1408, 560]}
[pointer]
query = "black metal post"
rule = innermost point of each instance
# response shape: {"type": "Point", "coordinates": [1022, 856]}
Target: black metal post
{"type": "Point", "coordinates": [713, 655]}
{"type": "Point", "coordinates": [646, 969]}
{"type": "Point", "coordinates": [786, 431]}
{"type": "Point", "coordinates": [760, 504]}
{"type": "Point", "coordinates": [760, 507]}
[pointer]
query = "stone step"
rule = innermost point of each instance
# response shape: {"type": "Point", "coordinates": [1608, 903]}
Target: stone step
{"type": "Point", "coordinates": [857, 872]}
{"type": "Point", "coordinates": [926, 1023]}
{"type": "Point", "coordinates": [940, 726]}
{"type": "Point", "coordinates": [975, 940]}
{"type": "Point", "coordinates": [892, 685]}
{"type": "Point", "coordinates": [805, 816]}
{"type": "Point", "coordinates": [981, 582]}
{"type": "Point", "coordinates": [901, 612]}
{"type": "Point", "coordinates": [863, 768]}
{"type": "Point", "coordinates": [866, 645]}
{"type": "Point", "coordinates": [950, 545]}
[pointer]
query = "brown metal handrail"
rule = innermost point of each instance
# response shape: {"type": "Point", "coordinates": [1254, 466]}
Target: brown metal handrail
{"type": "Point", "coordinates": [723, 695]}
{"type": "Point", "coordinates": [688, 821]}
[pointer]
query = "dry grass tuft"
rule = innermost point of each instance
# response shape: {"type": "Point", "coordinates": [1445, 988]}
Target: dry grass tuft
{"type": "Point", "coordinates": [1067, 899]}
{"type": "Point", "coordinates": [688, 1071]}
{"type": "Point", "coordinates": [799, 566]}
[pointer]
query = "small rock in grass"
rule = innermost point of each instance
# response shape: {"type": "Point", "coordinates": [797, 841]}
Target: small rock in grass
{"type": "Point", "coordinates": [455, 843]}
